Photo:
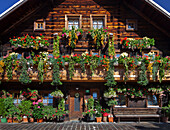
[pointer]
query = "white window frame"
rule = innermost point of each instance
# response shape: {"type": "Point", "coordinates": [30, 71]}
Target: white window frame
{"type": "Point", "coordinates": [102, 16]}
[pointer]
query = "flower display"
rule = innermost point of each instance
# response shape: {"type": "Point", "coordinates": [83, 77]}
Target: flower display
{"type": "Point", "coordinates": [29, 42]}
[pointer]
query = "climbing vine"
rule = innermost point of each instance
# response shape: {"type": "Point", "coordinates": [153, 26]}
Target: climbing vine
{"type": "Point", "coordinates": [142, 75]}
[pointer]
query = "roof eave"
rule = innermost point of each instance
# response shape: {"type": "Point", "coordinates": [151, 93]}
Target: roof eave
{"type": "Point", "coordinates": [12, 8]}
{"type": "Point", "coordinates": [158, 7]}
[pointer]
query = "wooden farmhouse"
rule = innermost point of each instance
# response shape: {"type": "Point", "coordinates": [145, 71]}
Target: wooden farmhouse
{"type": "Point", "coordinates": [100, 49]}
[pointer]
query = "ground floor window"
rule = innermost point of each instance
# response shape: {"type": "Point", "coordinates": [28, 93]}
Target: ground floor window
{"type": "Point", "coordinates": [47, 99]}
{"type": "Point", "coordinates": [16, 99]}
{"type": "Point", "coordinates": [121, 100]}
{"type": "Point", "coordinates": [152, 101]}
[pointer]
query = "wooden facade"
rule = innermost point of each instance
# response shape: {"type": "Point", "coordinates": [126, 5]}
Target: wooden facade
{"type": "Point", "coordinates": [55, 15]}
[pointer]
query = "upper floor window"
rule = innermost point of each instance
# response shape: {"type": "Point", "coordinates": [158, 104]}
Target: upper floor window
{"type": "Point", "coordinates": [73, 20]}
{"type": "Point", "coordinates": [131, 25]}
{"type": "Point", "coordinates": [47, 99]}
{"type": "Point", "coordinates": [98, 21]}
{"type": "Point", "coordinates": [39, 25]}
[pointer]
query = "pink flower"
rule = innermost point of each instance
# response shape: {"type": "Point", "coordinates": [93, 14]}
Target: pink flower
{"type": "Point", "coordinates": [38, 106]}
{"type": "Point", "coordinates": [36, 103]}
{"type": "Point", "coordinates": [39, 100]}
{"type": "Point", "coordinates": [62, 35]}
{"type": "Point", "coordinates": [33, 103]}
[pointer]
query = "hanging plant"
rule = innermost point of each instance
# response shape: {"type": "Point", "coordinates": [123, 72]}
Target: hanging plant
{"type": "Point", "coordinates": [111, 49]}
{"type": "Point", "coordinates": [1, 68]}
{"type": "Point", "coordinates": [58, 94]}
{"type": "Point", "coordinates": [110, 93]}
{"type": "Point", "coordinates": [71, 68]}
{"type": "Point", "coordinates": [110, 74]}
{"type": "Point", "coordinates": [154, 71]}
{"type": "Point", "coordinates": [98, 36]}
{"type": "Point", "coordinates": [56, 49]}
{"type": "Point", "coordinates": [41, 70]}
{"type": "Point", "coordinates": [24, 76]}
{"type": "Point", "coordinates": [72, 35]}
{"type": "Point", "coordinates": [56, 73]}
{"type": "Point", "coordinates": [142, 75]}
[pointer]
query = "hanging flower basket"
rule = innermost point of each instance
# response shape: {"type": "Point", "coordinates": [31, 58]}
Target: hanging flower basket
{"type": "Point", "coordinates": [57, 94]}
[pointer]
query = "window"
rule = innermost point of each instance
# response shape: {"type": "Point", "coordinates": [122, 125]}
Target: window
{"type": "Point", "coordinates": [16, 99]}
{"type": "Point", "coordinates": [121, 99]}
{"type": "Point", "coordinates": [47, 99]}
{"type": "Point", "coordinates": [73, 20]}
{"type": "Point", "coordinates": [94, 95]}
{"type": "Point", "coordinates": [152, 101]}
{"type": "Point", "coordinates": [98, 21]}
{"type": "Point", "coordinates": [39, 25]}
{"type": "Point", "coordinates": [131, 25]}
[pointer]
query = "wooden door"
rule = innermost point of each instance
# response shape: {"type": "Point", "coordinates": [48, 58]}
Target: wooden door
{"type": "Point", "coordinates": [75, 104]}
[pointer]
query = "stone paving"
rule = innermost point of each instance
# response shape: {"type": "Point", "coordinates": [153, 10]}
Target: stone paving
{"type": "Point", "coordinates": [85, 126]}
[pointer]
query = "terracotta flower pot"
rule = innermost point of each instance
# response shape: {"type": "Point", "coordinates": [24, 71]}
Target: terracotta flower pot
{"type": "Point", "coordinates": [99, 119]}
{"type": "Point", "coordinates": [31, 119]}
{"type": "Point", "coordinates": [15, 121]}
{"type": "Point", "coordinates": [40, 120]}
{"type": "Point", "coordinates": [110, 119]}
{"type": "Point", "coordinates": [9, 120]}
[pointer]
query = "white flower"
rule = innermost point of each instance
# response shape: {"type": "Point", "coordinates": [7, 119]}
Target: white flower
{"type": "Point", "coordinates": [124, 54]}
{"type": "Point", "coordinates": [130, 39]}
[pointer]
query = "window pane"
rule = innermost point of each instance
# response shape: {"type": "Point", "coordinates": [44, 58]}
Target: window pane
{"type": "Point", "coordinates": [76, 26]}
{"type": "Point", "coordinates": [70, 22]}
{"type": "Point", "coordinates": [95, 26]}
{"type": "Point", "coordinates": [155, 100]}
{"type": "Point", "coordinates": [76, 104]}
{"type": "Point", "coordinates": [95, 22]}
{"type": "Point", "coordinates": [15, 101]}
{"type": "Point", "coordinates": [100, 26]}
{"type": "Point", "coordinates": [70, 27]}
{"type": "Point", "coordinates": [76, 22]}
{"type": "Point", "coordinates": [94, 95]}
{"type": "Point", "coordinates": [19, 100]}
{"type": "Point", "coordinates": [123, 102]}
{"type": "Point", "coordinates": [44, 100]}
{"type": "Point", "coordinates": [50, 100]}
{"type": "Point", "coordinates": [100, 22]}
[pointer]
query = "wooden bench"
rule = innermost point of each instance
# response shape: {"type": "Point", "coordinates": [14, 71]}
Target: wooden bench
{"type": "Point", "coordinates": [136, 113]}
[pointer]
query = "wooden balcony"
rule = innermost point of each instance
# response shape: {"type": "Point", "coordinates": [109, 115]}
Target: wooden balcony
{"type": "Point", "coordinates": [98, 76]}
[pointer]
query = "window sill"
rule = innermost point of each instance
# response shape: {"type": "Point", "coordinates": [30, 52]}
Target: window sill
{"type": "Point", "coordinates": [153, 106]}
{"type": "Point", "coordinates": [120, 106]}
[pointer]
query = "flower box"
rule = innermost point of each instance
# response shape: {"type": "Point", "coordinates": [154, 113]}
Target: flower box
{"type": "Point", "coordinates": [99, 119]}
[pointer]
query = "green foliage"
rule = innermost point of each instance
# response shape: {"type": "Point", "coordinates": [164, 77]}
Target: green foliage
{"type": "Point", "coordinates": [98, 36]}
{"type": "Point", "coordinates": [110, 74]}
{"type": "Point", "coordinates": [56, 48]}
{"type": "Point", "coordinates": [14, 112]}
{"type": "Point", "coordinates": [142, 75]}
{"type": "Point", "coordinates": [61, 104]}
{"type": "Point", "coordinates": [90, 104]}
{"type": "Point", "coordinates": [25, 107]}
{"type": "Point", "coordinates": [56, 73]}
{"type": "Point", "coordinates": [49, 112]}
{"type": "Point", "coordinates": [60, 113]}
{"type": "Point", "coordinates": [57, 93]}
{"type": "Point", "coordinates": [161, 71]}
{"type": "Point", "coordinates": [112, 102]}
{"type": "Point", "coordinates": [98, 108]}
{"type": "Point", "coordinates": [24, 76]}
{"type": "Point", "coordinates": [3, 111]}
{"type": "Point", "coordinates": [41, 70]}
{"type": "Point", "coordinates": [166, 111]}
{"type": "Point", "coordinates": [111, 49]}
{"type": "Point", "coordinates": [38, 111]}
{"type": "Point", "coordinates": [110, 93]}
{"type": "Point", "coordinates": [71, 68]}
{"type": "Point", "coordinates": [154, 71]}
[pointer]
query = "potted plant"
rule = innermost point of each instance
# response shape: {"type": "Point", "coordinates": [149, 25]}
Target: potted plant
{"type": "Point", "coordinates": [38, 112]}
{"type": "Point", "coordinates": [111, 103]}
{"type": "Point", "coordinates": [90, 114]}
{"type": "Point", "coordinates": [166, 113]}
{"type": "Point", "coordinates": [105, 114]}
{"type": "Point", "coordinates": [30, 116]}
{"type": "Point", "coordinates": [57, 94]}
{"type": "Point", "coordinates": [15, 113]}
{"type": "Point", "coordinates": [25, 107]}
{"type": "Point", "coordinates": [98, 117]}
{"type": "Point", "coordinates": [3, 111]}
{"type": "Point", "coordinates": [60, 114]}
{"type": "Point", "coordinates": [49, 113]}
